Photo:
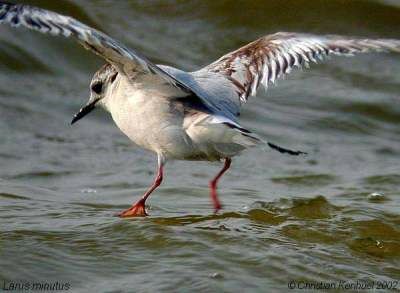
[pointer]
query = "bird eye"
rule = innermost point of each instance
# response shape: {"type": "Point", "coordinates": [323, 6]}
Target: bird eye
{"type": "Point", "coordinates": [97, 87]}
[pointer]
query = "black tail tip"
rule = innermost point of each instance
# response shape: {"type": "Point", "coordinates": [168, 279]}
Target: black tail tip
{"type": "Point", "coordinates": [286, 151]}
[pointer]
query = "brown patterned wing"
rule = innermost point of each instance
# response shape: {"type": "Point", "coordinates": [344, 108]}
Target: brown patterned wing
{"type": "Point", "coordinates": [269, 58]}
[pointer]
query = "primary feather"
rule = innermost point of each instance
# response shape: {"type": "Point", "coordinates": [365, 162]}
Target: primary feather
{"type": "Point", "coordinates": [265, 60]}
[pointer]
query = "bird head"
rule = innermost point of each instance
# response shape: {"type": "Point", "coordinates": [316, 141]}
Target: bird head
{"type": "Point", "coordinates": [99, 88]}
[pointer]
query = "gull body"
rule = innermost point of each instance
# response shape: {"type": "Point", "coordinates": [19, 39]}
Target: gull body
{"type": "Point", "coordinates": [183, 115]}
{"type": "Point", "coordinates": [163, 120]}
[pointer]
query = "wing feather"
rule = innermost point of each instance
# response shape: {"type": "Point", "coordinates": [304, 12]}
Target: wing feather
{"type": "Point", "coordinates": [126, 60]}
{"type": "Point", "coordinates": [267, 59]}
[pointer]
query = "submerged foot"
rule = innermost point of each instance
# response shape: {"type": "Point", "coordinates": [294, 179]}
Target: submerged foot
{"type": "Point", "coordinates": [137, 210]}
{"type": "Point", "coordinates": [217, 207]}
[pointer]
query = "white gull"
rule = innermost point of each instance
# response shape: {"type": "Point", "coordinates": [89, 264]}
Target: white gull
{"type": "Point", "coordinates": [187, 115]}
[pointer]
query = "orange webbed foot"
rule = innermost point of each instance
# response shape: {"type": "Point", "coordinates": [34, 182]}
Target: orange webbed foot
{"type": "Point", "coordinates": [137, 210]}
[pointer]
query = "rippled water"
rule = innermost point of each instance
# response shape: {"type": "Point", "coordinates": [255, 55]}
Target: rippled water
{"type": "Point", "coordinates": [332, 215]}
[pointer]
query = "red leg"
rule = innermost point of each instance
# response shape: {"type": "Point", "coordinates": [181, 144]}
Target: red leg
{"type": "Point", "coordinates": [138, 209]}
{"type": "Point", "coordinates": [213, 185]}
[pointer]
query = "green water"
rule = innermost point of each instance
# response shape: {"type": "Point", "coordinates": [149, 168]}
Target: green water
{"type": "Point", "coordinates": [332, 216]}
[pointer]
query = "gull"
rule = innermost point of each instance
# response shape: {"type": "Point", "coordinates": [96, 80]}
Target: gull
{"type": "Point", "coordinates": [183, 115]}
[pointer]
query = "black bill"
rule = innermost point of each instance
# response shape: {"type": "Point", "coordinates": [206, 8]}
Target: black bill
{"type": "Point", "coordinates": [84, 111]}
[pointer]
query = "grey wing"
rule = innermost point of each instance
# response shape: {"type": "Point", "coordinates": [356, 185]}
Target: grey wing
{"type": "Point", "coordinates": [215, 92]}
{"type": "Point", "coordinates": [127, 61]}
{"type": "Point", "coordinates": [271, 57]}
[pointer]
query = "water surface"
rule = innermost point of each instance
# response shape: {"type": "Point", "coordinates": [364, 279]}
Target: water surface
{"type": "Point", "coordinates": [330, 216]}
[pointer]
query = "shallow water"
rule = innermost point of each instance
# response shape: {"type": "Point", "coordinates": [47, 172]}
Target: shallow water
{"type": "Point", "coordinates": [331, 216]}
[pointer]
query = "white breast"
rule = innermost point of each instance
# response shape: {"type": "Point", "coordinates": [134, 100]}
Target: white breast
{"type": "Point", "coordinates": [145, 115]}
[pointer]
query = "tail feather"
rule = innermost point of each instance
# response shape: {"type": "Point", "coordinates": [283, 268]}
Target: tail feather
{"type": "Point", "coordinates": [285, 150]}
{"type": "Point", "coordinates": [247, 139]}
